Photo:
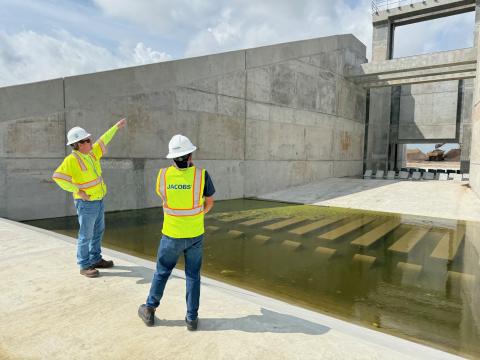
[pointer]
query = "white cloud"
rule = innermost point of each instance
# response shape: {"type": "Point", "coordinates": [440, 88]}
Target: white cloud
{"type": "Point", "coordinates": [145, 55]}
{"type": "Point", "coordinates": [162, 15]}
{"type": "Point", "coordinates": [185, 28]}
{"type": "Point", "coordinates": [216, 26]}
{"type": "Point", "coordinates": [29, 56]}
{"type": "Point", "coordinates": [256, 24]}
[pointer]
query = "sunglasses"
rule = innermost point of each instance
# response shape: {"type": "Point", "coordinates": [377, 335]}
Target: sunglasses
{"type": "Point", "coordinates": [84, 141]}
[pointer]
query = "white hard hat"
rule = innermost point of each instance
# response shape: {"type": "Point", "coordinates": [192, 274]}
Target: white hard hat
{"type": "Point", "coordinates": [76, 134]}
{"type": "Point", "coordinates": [180, 145]}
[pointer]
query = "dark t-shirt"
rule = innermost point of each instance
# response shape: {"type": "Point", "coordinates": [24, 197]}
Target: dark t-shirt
{"type": "Point", "coordinates": [208, 189]}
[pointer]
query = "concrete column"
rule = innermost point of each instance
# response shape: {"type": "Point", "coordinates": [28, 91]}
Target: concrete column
{"type": "Point", "coordinates": [466, 124]}
{"type": "Point", "coordinates": [380, 103]}
{"type": "Point", "coordinates": [477, 22]}
{"type": "Point", "coordinates": [394, 125]}
{"type": "Point", "coordinates": [382, 42]}
{"type": "Point", "coordinates": [475, 141]}
{"type": "Point", "coordinates": [378, 128]}
{"type": "Point", "coordinates": [401, 156]}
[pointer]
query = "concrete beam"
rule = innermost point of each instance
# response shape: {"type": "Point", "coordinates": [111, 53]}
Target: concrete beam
{"type": "Point", "coordinates": [441, 59]}
{"type": "Point", "coordinates": [420, 73]}
{"type": "Point", "coordinates": [446, 65]}
{"type": "Point", "coordinates": [422, 11]}
{"type": "Point", "coordinates": [422, 79]}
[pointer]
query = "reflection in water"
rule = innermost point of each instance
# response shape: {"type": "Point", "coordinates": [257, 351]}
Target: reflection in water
{"type": "Point", "coordinates": [409, 276]}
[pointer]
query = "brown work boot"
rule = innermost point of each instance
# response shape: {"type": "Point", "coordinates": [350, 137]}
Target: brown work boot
{"type": "Point", "coordinates": [89, 272]}
{"type": "Point", "coordinates": [103, 264]}
{"type": "Point", "coordinates": [147, 314]}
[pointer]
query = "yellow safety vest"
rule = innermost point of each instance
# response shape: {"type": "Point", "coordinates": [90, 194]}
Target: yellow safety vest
{"type": "Point", "coordinates": [182, 193]}
{"type": "Point", "coordinates": [83, 171]}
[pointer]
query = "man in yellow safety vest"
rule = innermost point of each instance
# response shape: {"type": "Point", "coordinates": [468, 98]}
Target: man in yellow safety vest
{"type": "Point", "coordinates": [81, 174]}
{"type": "Point", "coordinates": [187, 194]}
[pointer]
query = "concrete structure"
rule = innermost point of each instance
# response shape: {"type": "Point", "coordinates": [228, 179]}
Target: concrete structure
{"type": "Point", "coordinates": [263, 119]}
{"type": "Point", "coordinates": [450, 199]}
{"type": "Point", "coordinates": [475, 140]}
{"type": "Point", "coordinates": [439, 66]}
{"type": "Point", "coordinates": [418, 99]}
{"type": "Point", "coordinates": [44, 318]}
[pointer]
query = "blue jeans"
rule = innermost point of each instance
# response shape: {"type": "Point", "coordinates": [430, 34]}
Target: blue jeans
{"type": "Point", "coordinates": [91, 218]}
{"type": "Point", "coordinates": [168, 253]}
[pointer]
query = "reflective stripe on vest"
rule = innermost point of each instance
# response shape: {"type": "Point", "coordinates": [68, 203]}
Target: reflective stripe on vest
{"type": "Point", "coordinates": [178, 212]}
{"type": "Point", "coordinates": [90, 183]}
{"type": "Point", "coordinates": [102, 146]}
{"type": "Point", "coordinates": [65, 177]}
{"type": "Point", "coordinates": [196, 194]}
{"type": "Point", "coordinates": [80, 161]}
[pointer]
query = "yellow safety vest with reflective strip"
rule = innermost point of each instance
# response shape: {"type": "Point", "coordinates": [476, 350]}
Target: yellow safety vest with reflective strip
{"type": "Point", "coordinates": [83, 171]}
{"type": "Point", "coordinates": [182, 193]}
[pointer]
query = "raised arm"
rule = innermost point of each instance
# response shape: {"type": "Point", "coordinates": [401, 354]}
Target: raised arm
{"type": "Point", "coordinates": [100, 147]}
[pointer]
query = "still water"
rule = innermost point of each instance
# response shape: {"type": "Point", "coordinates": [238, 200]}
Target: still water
{"type": "Point", "coordinates": [409, 276]}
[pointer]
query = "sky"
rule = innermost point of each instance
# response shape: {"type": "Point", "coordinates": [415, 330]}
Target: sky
{"type": "Point", "coordinates": [46, 39]}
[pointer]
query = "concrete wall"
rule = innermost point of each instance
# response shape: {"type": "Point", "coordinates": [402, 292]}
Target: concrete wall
{"type": "Point", "coordinates": [428, 111]}
{"type": "Point", "coordinates": [32, 132]}
{"type": "Point", "coordinates": [263, 119]}
{"type": "Point", "coordinates": [475, 141]}
{"type": "Point", "coordinates": [304, 120]}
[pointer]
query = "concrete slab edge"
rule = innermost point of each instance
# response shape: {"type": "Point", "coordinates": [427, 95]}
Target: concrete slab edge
{"type": "Point", "coordinates": [400, 345]}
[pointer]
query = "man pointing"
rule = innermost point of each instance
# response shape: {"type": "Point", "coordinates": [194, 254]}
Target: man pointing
{"type": "Point", "coordinates": [81, 174]}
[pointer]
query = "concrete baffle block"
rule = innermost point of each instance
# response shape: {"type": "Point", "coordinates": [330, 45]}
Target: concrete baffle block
{"type": "Point", "coordinates": [410, 272]}
{"type": "Point", "coordinates": [235, 234]}
{"type": "Point", "coordinates": [365, 260]}
{"type": "Point", "coordinates": [211, 229]}
{"type": "Point", "coordinates": [291, 245]}
{"type": "Point", "coordinates": [261, 239]}
{"type": "Point", "coordinates": [324, 252]}
{"type": "Point", "coordinates": [463, 278]}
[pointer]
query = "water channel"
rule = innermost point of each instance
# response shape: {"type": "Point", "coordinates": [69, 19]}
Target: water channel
{"type": "Point", "coordinates": [413, 277]}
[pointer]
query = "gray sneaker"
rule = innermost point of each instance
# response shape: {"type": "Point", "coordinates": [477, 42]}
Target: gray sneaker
{"type": "Point", "coordinates": [147, 314]}
{"type": "Point", "coordinates": [191, 324]}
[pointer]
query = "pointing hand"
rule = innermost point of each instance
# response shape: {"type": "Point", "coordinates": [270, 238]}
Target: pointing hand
{"type": "Point", "coordinates": [122, 123]}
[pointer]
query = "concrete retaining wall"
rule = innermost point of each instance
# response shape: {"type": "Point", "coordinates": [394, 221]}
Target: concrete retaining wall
{"type": "Point", "coordinates": [428, 111]}
{"type": "Point", "coordinates": [263, 119]}
{"type": "Point", "coordinates": [475, 142]}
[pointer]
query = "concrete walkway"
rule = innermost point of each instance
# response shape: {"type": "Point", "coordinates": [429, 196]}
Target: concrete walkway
{"type": "Point", "coordinates": [49, 311]}
{"type": "Point", "coordinates": [441, 199]}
